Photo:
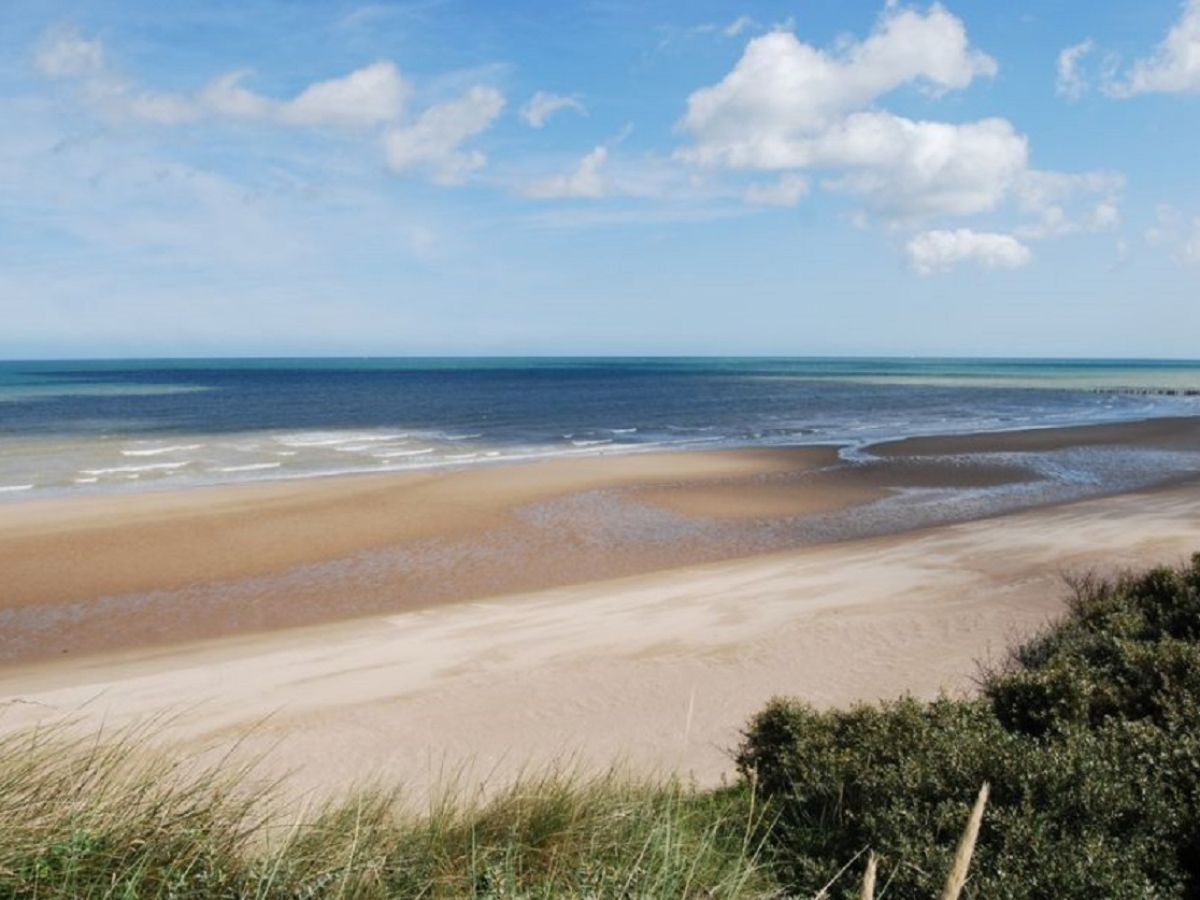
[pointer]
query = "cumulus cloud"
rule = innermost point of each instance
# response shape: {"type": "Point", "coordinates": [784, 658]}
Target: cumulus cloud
{"type": "Point", "coordinates": [782, 91]}
{"type": "Point", "coordinates": [1174, 67]}
{"type": "Point", "coordinates": [793, 108]}
{"type": "Point", "coordinates": [939, 251]}
{"type": "Point", "coordinates": [434, 142]}
{"type": "Point", "coordinates": [538, 110]}
{"type": "Point", "coordinates": [1070, 82]}
{"type": "Point", "coordinates": [787, 105]}
{"type": "Point", "coordinates": [585, 181]}
{"type": "Point", "coordinates": [905, 169]}
{"type": "Point", "coordinates": [787, 190]}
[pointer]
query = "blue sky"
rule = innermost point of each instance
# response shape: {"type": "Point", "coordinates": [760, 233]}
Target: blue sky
{"type": "Point", "coordinates": [444, 177]}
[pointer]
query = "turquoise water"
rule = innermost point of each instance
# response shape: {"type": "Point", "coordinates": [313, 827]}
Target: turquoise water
{"type": "Point", "coordinates": [69, 426]}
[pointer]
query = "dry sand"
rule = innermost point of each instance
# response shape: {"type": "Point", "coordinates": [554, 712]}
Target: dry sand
{"type": "Point", "coordinates": [658, 670]}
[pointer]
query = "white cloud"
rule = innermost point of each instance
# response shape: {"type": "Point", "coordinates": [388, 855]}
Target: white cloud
{"type": "Point", "coordinates": [782, 91]}
{"type": "Point", "coordinates": [787, 190]}
{"type": "Point", "coordinates": [372, 95]}
{"type": "Point", "coordinates": [1067, 203]}
{"type": "Point", "coordinates": [1172, 230]}
{"type": "Point", "coordinates": [939, 251]}
{"type": "Point", "coordinates": [905, 169]}
{"type": "Point", "coordinates": [433, 143]}
{"type": "Point", "coordinates": [541, 106]}
{"type": "Point", "coordinates": [1174, 67]}
{"type": "Point", "coordinates": [225, 96]}
{"type": "Point", "coordinates": [787, 105]}
{"type": "Point", "coordinates": [67, 54]}
{"type": "Point", "coordinates": [1070, 82]}
{"type": "Point", "coordinates": [738, 25]}
{"type": "Point", "coordinates": [585, 181]}
{"type": "Point", "coordinates": [794, 108]}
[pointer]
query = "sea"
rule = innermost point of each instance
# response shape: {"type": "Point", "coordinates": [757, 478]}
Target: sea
{"type": "Point", "coordinates": [75, 427]}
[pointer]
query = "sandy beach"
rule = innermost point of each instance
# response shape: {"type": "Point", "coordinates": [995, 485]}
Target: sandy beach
{"type": "Point", "coordinates": [110, 572]}
{"type": "Point", "coordinates": [545, 641]}
{"type": "Point", "coordinates": [657, 672]}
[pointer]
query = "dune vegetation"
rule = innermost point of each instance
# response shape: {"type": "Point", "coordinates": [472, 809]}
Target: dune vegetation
{"type": "Point", "coordinates": [1086, 744]}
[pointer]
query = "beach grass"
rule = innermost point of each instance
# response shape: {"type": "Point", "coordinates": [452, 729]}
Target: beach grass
{"type": "Point", "coordinates": [109, 818]}
{"type": "Point", "coordinates": [1075, 770]}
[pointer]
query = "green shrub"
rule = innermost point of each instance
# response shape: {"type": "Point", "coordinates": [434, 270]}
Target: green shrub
{"type": "Point", "coordinates": [1090, 741]}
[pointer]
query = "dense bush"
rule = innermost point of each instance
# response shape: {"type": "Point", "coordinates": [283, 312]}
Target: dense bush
{"type": "Point", "coordinates": [1090, 740]}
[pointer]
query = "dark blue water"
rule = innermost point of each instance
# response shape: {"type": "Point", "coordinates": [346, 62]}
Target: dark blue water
{"type": "Point", "coordinates": [108, 424]}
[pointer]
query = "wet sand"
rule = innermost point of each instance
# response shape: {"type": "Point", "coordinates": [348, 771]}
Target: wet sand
{"type": "Point", "coordinates": [105, 574]}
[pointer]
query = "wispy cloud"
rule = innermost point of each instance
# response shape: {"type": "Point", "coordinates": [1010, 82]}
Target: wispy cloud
{"type": "Point", "coordinates": [542, 106]}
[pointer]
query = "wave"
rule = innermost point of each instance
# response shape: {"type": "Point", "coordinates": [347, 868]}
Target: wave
{"type": "Point", "coordinates": [132, 470]}
{"type": "Point", "coordinates": [592, 443]}
{"type": "Point", "coordinates": [158, 451]}
{"type": "Point", "coordinates": [14, 488]}
{"type": "Point", "coordinates": [249, 467]}
{"type": "Point", "coordinates": [392, 454]}
{"type": "Point", "coordinates": [335, 439]}
{"type": "Point", "coordinates": [623, 430]}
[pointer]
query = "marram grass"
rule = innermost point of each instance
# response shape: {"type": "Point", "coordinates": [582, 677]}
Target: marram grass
{"type": "Point", "coordinates": [107, 819]}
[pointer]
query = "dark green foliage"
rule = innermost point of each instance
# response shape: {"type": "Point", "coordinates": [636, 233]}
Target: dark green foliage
{"type": "Point", "coordinates": [1090, 740]}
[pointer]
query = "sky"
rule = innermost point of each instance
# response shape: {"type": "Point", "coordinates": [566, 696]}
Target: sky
{"type": "Point", "coordinates": [444, 177]}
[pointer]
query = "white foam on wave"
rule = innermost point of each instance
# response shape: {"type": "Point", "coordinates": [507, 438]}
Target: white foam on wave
{"type": "Point", "coordinates": [592, 443]}
{"type": "Point", "coordinates": [392, 454]}
{"type": "Point", "coordinates": [14, 488]}
{"type": "Point", "coordinates": [463, 437]}
{"type": "Point", "coordinates": [91, 480]}
{"type": "Point", "coordinates": [335, 438]}
{"type": "Point", "coordinates": [158, 451]}
{"type": "Point", "coordinates": [249, 467]}
{"type": "Point", "coordinates": [623, 430]}
{"type": "Point", "coordinates": [360, 447]}
{"type": "Point", "coordinates": [136, 470]}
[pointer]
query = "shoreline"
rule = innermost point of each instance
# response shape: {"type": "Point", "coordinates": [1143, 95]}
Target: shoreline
{"type": "Point", "coordinates": [1061, 432]}
{"type": "Point", "coordinates": [94, 574]}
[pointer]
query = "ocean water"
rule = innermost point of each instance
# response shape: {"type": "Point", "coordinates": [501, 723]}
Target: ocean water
{"type": "Point", "coordinates": [133, 424]}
